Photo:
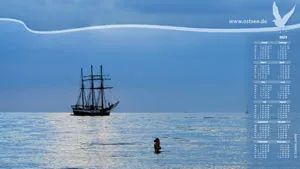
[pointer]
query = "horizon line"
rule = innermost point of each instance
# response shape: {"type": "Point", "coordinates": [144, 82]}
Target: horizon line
{"type": "Point", "coordinates": [162, 27]}
{"type": "Point", "coordinates": [112, 112]}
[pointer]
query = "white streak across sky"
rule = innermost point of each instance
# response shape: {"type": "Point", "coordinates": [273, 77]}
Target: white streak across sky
{"type": "Point", "coordinates": [162, 27]}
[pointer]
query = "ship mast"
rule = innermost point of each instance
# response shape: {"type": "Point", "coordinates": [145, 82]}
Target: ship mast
{"type": "Point", "coordinates": [92, 87]}
{"type": "Point", "coordinates": [101, 87]}
{"type": "Point", "coordinates": [82, 88]}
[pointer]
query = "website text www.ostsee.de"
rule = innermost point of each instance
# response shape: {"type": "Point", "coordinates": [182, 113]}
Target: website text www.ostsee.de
{"type": "Point", "coordinates": [248, 21]}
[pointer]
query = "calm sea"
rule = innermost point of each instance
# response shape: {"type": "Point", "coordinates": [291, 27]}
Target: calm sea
{"type": "Point", "coordinates": [123, 140]}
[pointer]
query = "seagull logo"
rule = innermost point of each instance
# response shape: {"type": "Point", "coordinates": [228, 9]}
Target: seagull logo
{"type": "Point", "coordinates": [280, 22]}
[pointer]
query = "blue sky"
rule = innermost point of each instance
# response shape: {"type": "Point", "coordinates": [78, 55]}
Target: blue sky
{"type": "Point", "coordinates": [152, 70]}
{"type": "Point", "coordinates": [60, 14]}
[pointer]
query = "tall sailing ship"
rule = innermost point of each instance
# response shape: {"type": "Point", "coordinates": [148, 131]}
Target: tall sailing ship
{"type": "Point", "coordinates": [95, 103]}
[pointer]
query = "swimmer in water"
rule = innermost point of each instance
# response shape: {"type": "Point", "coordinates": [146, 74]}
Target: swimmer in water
{"type": "Point", "coordinates": [157, 145]}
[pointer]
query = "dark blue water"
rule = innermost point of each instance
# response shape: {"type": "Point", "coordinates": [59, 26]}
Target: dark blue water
{"type": "Point", "coordinates": [122, 140]}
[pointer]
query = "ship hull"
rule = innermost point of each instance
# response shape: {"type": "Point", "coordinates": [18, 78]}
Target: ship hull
{"type": "Point", "coordinates": [80, 111]}
{"type": "Point", "coordinates": [91, 112]}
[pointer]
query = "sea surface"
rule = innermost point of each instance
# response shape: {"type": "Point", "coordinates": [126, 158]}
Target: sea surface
{"type": "Point", "coordinates": [123, 140]}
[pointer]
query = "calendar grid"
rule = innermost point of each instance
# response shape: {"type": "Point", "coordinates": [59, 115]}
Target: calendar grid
{"type": "Point", "coordinates": [271, 100]}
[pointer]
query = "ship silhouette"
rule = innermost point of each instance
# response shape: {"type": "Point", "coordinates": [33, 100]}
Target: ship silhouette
{"type": "Point", "coordinates": [95, 103]}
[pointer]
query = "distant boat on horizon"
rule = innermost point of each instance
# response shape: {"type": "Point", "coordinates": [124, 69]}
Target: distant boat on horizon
{"type": "Point", "coordinates": [247, 112]}
{"type": "Point", "coordinates": [95, 104]}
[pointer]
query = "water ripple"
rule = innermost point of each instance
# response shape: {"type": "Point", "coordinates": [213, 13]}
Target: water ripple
{"type": "Point", "coordinates": [58, 140]}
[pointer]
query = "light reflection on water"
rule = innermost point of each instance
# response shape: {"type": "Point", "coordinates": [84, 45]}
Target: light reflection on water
{"type": "Point", "coordinates": [122, 140]}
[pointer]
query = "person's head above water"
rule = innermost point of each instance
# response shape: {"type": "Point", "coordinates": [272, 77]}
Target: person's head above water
{"type": "Point", "coordinates": [156, 140]}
